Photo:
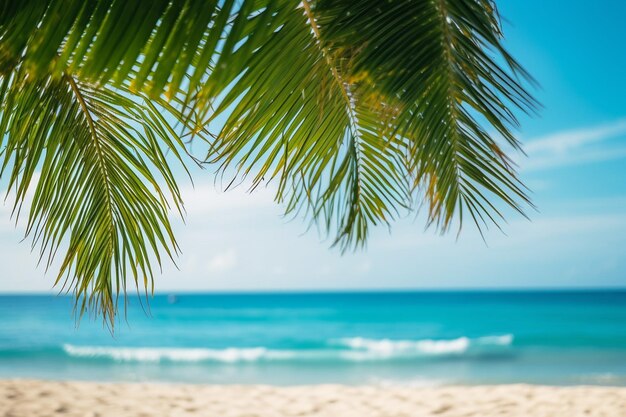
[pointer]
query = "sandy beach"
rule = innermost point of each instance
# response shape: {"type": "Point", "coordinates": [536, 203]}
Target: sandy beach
{"type": "Point", "coordinates": [26, 398]}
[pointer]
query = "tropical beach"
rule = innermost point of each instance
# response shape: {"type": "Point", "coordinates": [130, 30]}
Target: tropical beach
{"type": "Point", "coordinates": [255, 208]}
{"type": "Point", "coordinates": [513, 353]}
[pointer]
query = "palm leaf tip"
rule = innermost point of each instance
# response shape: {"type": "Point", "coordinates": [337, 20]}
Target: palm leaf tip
{"type": "Point", "coordinates": [103, 187]}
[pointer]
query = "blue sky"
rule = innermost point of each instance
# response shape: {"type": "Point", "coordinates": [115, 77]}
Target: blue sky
{"type": "Point", "coordinates": [576, 167]}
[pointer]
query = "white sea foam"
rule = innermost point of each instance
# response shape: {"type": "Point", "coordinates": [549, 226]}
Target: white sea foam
{"type": "Point", "coordinates": [387, 347]}
{"type": "Point", "coordinates": [394, 348]}
{"type": "Point", "coordinates": [354, 349]}
{"type": "Point", "coordinates": [148, 354]}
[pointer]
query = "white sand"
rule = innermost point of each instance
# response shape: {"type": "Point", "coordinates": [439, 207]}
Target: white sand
{"type": "Point", "coordinates": [24, 398]}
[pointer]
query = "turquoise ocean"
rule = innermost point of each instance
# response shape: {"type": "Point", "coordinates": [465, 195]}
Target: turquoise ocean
{"type": "Point", "coordinates": [413, 338]}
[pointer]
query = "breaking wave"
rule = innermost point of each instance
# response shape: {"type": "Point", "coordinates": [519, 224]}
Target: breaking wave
{"type": "Point", "coordinates": [150, 354]}
{"type": "Point", "coordinates": [354, 349]}
{"type": "Point", "coordinates": [393, 348]}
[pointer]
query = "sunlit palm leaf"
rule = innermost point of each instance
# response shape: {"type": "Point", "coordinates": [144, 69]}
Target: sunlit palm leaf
{"type": "Point", "coordinates": [422, 73]}
{"type": "Point", "coordinates": [104, 184]}
{"type": "Point", "coordinates": [360, 111]}
{"type": "Point", "coordinates": [292, 115]}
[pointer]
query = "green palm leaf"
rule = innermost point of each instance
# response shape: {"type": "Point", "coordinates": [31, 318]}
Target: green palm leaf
{"type": "Point", "coordinates": [104, 184]}
{"type": "Point", "coordinates": [292, 115]}
{"type": "Point", "coordinates": [360, 111]}
{"type": "Point", "coordinates": [364, 109]}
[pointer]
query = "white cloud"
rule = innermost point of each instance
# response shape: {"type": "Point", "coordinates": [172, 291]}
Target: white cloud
{"type": "Point", "coordinates": [582, 156]}
{"type": "Point", "coordinates": [572, 139]}
{"type": "Point", "coordinates": [278, 270]}
{"type": "Point", "coordinates": [364, 267]}
{"type": "Point", "coordinates": [209, 199]}
{"type": "Point", "coordinates": [574, 147]}
{"type": "Point", "coordinates": [223, 261]}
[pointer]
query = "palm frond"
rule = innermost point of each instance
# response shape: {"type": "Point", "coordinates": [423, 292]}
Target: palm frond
{"type": "Point", "coordinates": [365, 109]}
{"type": "Point", "coordinates": [360, 111]}
{"type": "Point", "coordinates": [161, 46]}
{"type": "Point", "coordinates": [442, 65]}
{"type": "Point", "coordinates": [104, 186]}
{"type": "Point", "coordinates": [291, 115]}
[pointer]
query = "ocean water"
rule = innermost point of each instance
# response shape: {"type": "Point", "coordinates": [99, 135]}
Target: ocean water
{"type": "Point", "coordinates": [415, 338]}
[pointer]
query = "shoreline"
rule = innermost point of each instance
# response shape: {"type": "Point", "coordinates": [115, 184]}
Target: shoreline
{"type": "Point", "coordinates": [38, 398]}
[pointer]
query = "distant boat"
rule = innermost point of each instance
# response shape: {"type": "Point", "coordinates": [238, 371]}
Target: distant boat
{"type": "Point", "coordinates": [172, 299]}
